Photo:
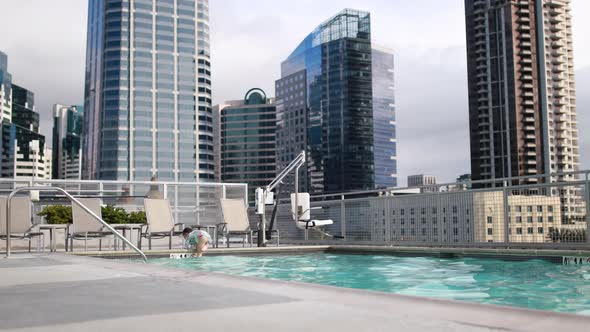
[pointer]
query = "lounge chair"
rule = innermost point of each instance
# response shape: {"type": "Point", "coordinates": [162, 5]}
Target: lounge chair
{"type": "Point", "coordinates": [236, 223]}
{"type": "Point", "coordinates": [85, 226]}
{"type": "Point", "coordinates": [160, 222]}
{"type": "Point", "coordinates": [21, 227]}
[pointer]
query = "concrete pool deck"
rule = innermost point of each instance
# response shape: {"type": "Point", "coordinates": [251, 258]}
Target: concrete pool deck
{"type": "Point", "coordinates": [61, 292]}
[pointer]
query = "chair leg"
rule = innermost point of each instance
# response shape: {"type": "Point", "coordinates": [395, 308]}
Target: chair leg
{"type": "Point", "coordinates": [30, 244]}
{"type": "Point", "coordinates": [72, 243]}
{"type": "Point", "coordinates": [170, 241]}
{"type": "Point", "coordinates": [150, 242]}
{"type": "Point", "coordinates": [139, 241]}
{"type": "Point", "coordinates": [227, 240]}
{"type": "Point", "coordinates": [99, 244]}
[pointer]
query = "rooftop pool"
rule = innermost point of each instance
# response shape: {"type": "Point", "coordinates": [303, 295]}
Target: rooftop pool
{"type": "Point", "coordinates": [533, 284]}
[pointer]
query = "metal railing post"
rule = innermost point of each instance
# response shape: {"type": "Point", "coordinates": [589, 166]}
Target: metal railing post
{"type": "Point", "coordinates": [342, 217]}
{"type": "Point", "coordinates": [506, 214]}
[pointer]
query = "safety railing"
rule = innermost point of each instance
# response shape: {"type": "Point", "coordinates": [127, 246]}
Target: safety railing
{"type": "Point", "coordinates": [74, 201]}
{"type": "Point", "coordinates": [192, 203]}
{"type": "Point", "coordinates": [518, 213]}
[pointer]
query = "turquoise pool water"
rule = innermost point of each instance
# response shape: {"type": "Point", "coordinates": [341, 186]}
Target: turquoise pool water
{"type": "Point", "coordinates": [535, 284]}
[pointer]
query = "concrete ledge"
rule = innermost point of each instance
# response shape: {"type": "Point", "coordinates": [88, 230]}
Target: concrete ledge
{"type": "Point", "coordinates": [550, 254]}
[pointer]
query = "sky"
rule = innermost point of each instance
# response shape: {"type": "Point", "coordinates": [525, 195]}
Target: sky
{"type": "Point", "coordinates": [45, 42]}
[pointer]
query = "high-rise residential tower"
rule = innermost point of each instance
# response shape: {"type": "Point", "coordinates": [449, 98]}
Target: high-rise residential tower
{"type": "Point", "coordinates": [67, 141]}
{"type": "Point", "coordinates": [325, 106]}
{"type": "Point", "coordinates": [23, 152]}
{"type": "Point", "coordinates": [5, 90]}
{"type": "Point", "coordinates": [246, 140]}
{"type": "Point", "coordinates": [148, 91]}
{"type": "Point", "coordinates": [522, 104]}
{"type": "Point", "coordinates": [384, 135]}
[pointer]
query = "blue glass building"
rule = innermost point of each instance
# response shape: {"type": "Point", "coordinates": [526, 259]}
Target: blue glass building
{"type": "Point", "coordinates": [384, 135]}
{"type": "Point", "coordinates": [325, 107]}
{"type": "Point", "coordinates": [67, 141]}
{"type": "Point", "coordinates": [148, 91]}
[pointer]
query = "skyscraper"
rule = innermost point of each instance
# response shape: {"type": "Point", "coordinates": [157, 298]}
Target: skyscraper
{"type": "Point", "coordinates": [23, 153]}
{"type": "Point", "coordinates": [325, 107]}
{"type": "Point", "coordinates": [384, 135]}
{"type": "Point", "coordinates": [148, 91]}
{"type": "Point", "coordinates": [5, 90]}
{"type": "Point", "coordinates": [521, 90]}
{"type": "Point", "coordinates": [67, 141]}
{"type": "Point", "coordinates": [245, 138]}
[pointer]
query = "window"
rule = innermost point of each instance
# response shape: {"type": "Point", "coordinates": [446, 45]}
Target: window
{"type": "Point", "coordinates": [519, 220]}
{"type": "Point", "coordinates": [456, 231]}
{"type": "Point", "coordinates": [550, 208]}
{"type": "Point", "coordinates": [519, 209]}
{"type": "Point", "coordinates": [540, 220]}
{"type": "Point", "coordinates": [433, 210]}
{"type": "Point", "coordinates": [529, 219]}
{"type": "Point", "coordinates": [403, 212]}
{"type": "Point", "coordinates": [529, 209]}
{"type": "Point", "coordinates": [423, 210]}
{"type": "Point", "coordinates": [412, 211]}
{"type": "Point", "coordinates": [540, 208]}
{"type": "Point", "coordinates": [490, 220]}
{"type": "Point", "coordinates": [550, 219]}
{"type": "Point", "coordinates": [529, 230]}
{"type": "Point", "coordinates": [519, 231]}
{"type": "Point", "coordinates": [540, 230]}
{"type": "Point", "coordinates": [490, 231]}
{"type": "Point", "coordinates": [454, 209]}
{"type": "Point", "coordinates": [454, 219]}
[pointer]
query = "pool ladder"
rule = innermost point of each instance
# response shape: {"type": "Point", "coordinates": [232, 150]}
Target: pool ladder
{"type": "Point", "coordinates": [74, 201]}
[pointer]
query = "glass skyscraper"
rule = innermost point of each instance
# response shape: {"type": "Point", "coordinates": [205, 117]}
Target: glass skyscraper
{"type": "Point", "coordinates": [384, 134]}
{"type": "Point", "coordinates": [148, 91]}
{"type": "Point", "coordinates": [325, 107]}
{"type": "Point", "coordinates": [67, 141]}
{"type": "Point", "coordinates": [246, 140]}
{"type": "Point", "coordinates": [5, 90]}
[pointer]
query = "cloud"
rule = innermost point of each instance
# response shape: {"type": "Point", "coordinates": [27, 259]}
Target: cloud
{"type": "Point", "coordinates": [46, 40]}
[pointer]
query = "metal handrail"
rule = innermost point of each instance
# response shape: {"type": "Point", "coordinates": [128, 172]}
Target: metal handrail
{"type": "Point", "coordinates": [74, 200]}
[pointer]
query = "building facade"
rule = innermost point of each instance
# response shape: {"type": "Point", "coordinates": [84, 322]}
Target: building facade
{"type": "Point", "coordinates": [246, 141]}
{"type": "Point", "coordinates": [426, 183]}
{"type": "Point", "coordinates": [325, 108]}
{"type": "Point", "coordinates": [5, 90]}
{"type": "Point", "coordinates": [23, 150]}
{"type": "Point", "coordinates": [522, 102]}
{"type": "Point", "coordinates": [384, 134]}
{"type": "Point", "coordinates": [148, 91]}
{"type": "Point", "coordinates": [67, 141]}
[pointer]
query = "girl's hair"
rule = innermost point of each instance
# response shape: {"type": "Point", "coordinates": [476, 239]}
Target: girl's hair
{"type": "Point", "coordinates": [186, 230]}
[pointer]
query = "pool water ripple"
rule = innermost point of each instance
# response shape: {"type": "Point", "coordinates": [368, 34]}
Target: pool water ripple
{"type": "Point", "coordinates": [534, 284]}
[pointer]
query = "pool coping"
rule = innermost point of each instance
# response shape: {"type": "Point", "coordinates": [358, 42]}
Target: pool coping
{"type": "Point", "coordinates": [554, 255]}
